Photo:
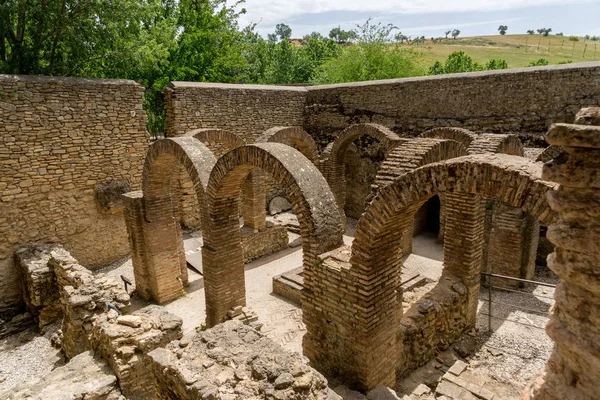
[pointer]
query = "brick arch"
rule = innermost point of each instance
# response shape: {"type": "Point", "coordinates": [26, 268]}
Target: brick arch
{"type": "Point", "coordinates": [292, 136]}
{"type": "Point", "coordinates": [375, 262]}
{"type": "Point", "coordinates": [333, 156]}
{"type": "Point", "coordinates": [413, 154]}
{"type": "Point", "coordinates": [312, 201]}
{"type": "Point", "coordinates": [155, 234]}
{"type": "Point", "coordinates": [460, 135]}
{"type": "Point", "coordinates": [493, 143]}
{"type": "Point", "coordinates": [216, 137]}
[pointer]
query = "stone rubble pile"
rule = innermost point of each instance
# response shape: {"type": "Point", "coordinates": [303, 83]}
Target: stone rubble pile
{"type": "Point", "coordinates": [233, 361]}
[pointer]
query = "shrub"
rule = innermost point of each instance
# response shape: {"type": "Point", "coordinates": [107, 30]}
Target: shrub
{"type": "Point", "coordinates": [538, 63]}
{"type": "Point", "coordinates": [574, 38]}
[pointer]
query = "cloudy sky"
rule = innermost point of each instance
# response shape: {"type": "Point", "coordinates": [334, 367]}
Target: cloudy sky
{"type": "Point", "coordinates": [427, 17]}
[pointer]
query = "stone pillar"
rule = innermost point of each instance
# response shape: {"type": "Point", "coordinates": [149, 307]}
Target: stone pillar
{"type": "Point", "coordinates": [463, 245]}
{"type": "Point", "coordinates": [254, 200]}
{"type": "Point", "coordinates": [573, 370]}
{"type": "Point", "coordinates": [157, 252]}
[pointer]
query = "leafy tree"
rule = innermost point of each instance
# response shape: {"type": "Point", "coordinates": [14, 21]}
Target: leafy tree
{"type": "Point", "coordinates": [531, 32]}
{"type": "Point", "coordinates": [314, 35]}
{"type": "Point", "coordinates": [455, 33]}
{"type": "Point", "coordinates": [283, 31]}
{"type": "Point", "coordinates": [559, 34]}
{"type": "Point", "coordinates": [502, 29]}
{"type": "Point", "coordinates": [341, 36]}
{"type": "Point", "coordinates": [376, 55]}
{"type": "Point", "coordinates": [544, 31]}
{"type": "Point", "coordinates": [538, 63]}
{"type": "Point", "coordinates": [447, 33]}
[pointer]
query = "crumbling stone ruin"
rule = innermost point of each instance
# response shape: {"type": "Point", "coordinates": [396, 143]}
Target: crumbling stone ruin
{"type": "Point", "coordinates": [471, 168]}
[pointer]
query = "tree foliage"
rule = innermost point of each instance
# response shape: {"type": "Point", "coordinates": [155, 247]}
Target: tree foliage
{"type": "Point", "coordinates": [502, 29]}
{"type": "Point", "coordinates": [458, 61]}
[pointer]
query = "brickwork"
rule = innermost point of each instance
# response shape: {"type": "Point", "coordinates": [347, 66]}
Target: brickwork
{"type": "Point", "coordinates": [333, 157]}
{"type": "Point", "coordinates": [293, 136]}
{"type": "Point", "coordinates": [245, 110]}
{"type": "Point", "coordinates": [219, 142]}
{"type": "Point", "coordinates": [313, 203]}
{"type": "Point", "coordinates": [353, 320]}
{"type": "Point", "coordinates": [154, 232]}
{"type": "Point", "coordinates": [514, 100]}
{"type": "Point", "coordinates": [412, 154]}
{"type": "Point", "coordinates": [59, 138]}
{"type": "Point", "coordinates": [573, 371]}
{"type": "Point", "coordinates": [512, 246]}
{"type": "Point", "coordinates": [491, 143]}
{"type": "Point", "coordinates": [461, 135]}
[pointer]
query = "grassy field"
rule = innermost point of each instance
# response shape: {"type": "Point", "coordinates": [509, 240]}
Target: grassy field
{"type": "Point", "coordinates": [517, 50]}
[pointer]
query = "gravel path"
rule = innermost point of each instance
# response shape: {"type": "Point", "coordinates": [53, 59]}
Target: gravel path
{"type": "Point", "coordinates": [27, 356]}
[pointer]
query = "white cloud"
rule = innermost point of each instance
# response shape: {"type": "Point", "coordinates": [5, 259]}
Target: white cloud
{"type": "Point", "coordinates": [271, 12]}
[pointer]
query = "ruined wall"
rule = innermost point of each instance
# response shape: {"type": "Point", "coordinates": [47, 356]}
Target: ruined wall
{"type": "Point", "coordinates": [515, 100]}
{"type": "Point", "coordinates": [59, 138]}
{"type": "Point", "coordinates": [246, 110]}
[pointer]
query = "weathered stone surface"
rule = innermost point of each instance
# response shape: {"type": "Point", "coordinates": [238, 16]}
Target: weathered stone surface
{"type": "Point", "coordinates": [38, 283]}
{"type": "Point", "coordinates": [573, 370]}
{"type": "Point", "coordinates": [59, 138]}
{"type": "Point", "coordinates": [108, 195]}
{"type": "Point", "coordinates": [233, 360]}
{"type": "Point", "coordinates": [262, 243]}
{"type": "Point", "coordinates": [83, 377]}
{"type": "Point", "coordinates": [125, 342]}
{"type": "Point", "coordinates": [279, 204]}
{"type": "Point", "coordinates": [382, 393]}
{"type": "Point", "coordinates": [347, 394]}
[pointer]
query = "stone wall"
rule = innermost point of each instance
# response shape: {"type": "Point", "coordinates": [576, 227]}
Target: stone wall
{"type": "Point", "coordinates": [246, 110]}
{"type": "Point", "coordinates": [59, 138]}
{"type": "Point", "coordinates": [515, 100]}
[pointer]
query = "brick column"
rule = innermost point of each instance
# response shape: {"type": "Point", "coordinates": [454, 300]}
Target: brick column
{"type": "Point", "coordinates": [463, 244]}
{"type": "Point", "coordinates": [254, 200]}
{"type": "Point", "coordinates": [512, 244]}
{"type": "Point", "coordinates": [573, 370]}
{"type": "Point", "coordinates": [157, 252]}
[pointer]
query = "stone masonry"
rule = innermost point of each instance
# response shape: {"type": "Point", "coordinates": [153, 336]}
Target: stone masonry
{"type": "Point", "coordinates": [573, 371]}
{"type": "Point", "coordinates": [59, 139]}
{"type": "Point", "coordinates": [233, 361]}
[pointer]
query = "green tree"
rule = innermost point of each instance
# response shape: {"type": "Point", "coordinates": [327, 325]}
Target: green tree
{"type": "Point", "coordinates": [455, 33]}
{"type": "Point", "coordinates": [531, 32]}
{"type": "Point", "coordinates": [447, 33]}
{"type": "Point", "coordinates": [376, 55]}
{"type": "Point", "coordinates": [458, 61]}
{"type": "Point", "coordinates": [502, 29]}
{"type": "Point", "coordinates": [341, 36]}
{"type": "Point", "coordinates": [283, 31]}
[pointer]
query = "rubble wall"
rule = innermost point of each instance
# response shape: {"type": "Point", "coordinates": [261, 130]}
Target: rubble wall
{"type": "Point", "coordinates": [59, 138]}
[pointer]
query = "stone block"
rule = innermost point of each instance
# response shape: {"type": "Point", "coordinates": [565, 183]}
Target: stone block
{"type": "Point", "coordinates": [83, 377]}
{"type": "Point", "coordinates": [108, 195]}
{"type": "Point", "coordinates": [382, 393]}
{"type": "Point", "coordinates": [458, 367]}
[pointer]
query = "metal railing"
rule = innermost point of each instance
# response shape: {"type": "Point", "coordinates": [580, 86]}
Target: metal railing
{"type": "Point", "coordinates": [490, 300]}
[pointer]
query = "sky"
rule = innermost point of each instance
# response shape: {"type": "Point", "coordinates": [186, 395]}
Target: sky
{"type": "Point", "coordinates": [429, 18]}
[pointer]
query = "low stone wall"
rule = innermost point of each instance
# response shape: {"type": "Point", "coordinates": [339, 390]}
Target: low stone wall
{"type": "Point", "coordinates": [125, 342]}
{"type": "Point", "coordinates": [431, 325]}
{"type": "Point", "coordinates": [263, 243]}
{"type": "Point", "coordinates": [62, 142]}
{"type": "Point", "coordinates": [233, 361]}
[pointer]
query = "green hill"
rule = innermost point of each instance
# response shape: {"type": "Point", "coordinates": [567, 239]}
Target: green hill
{"type": "Point", "coordinates": [517, 50]}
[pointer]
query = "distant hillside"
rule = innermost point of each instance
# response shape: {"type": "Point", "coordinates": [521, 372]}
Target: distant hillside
{"type": "Point", "coordinates": [517, 50]}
